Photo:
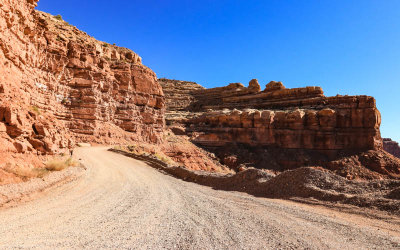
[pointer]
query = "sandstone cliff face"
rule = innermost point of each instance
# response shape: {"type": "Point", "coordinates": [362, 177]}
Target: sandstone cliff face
{"type": "Point", "coordinates": [324, 129]}
{"type": "Point", "coordinates": [58, 86]}
{"type": "Point", "coordinates": [179, 95]}
{"type": "Point", "coordinates": [102, 86]}
{"type": "Point", "coordinates": [279, 128]}
{"type": "Point", "coordinates": [391, 147]}
{"type": "Point", "coordinates": [301, 118]}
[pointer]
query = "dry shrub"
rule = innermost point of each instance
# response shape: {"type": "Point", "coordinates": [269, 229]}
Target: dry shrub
{"type": "Point", "coordinates": [59, 164]}
{"type": "Point", "coordinates": [147, 150]}
{"type": "Point", "coordinates": [25, 173]}
{"type": "Point", "coordinates": [162, 157]}
{"type": "Point", "coordinates": [36, 110]}
{"type": "Point", "coordinates": [58, 17]}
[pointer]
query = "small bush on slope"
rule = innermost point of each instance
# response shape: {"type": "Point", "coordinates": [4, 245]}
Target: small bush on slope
{"type": "Point", "coordinates": [58, 17]}
{"type": "Point", "coordinates": [58, 165]}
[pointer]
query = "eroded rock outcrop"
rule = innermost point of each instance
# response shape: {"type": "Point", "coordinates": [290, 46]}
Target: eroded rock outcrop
{"type": "Point", "coordinates": [58, 85]}
{"type": "Point", "coordinates": [280, 128]}
{"type": "Point", "coordinates": [179, 95]}
{"type": "Point", "coordinates": [301, 118]}
{"type": "Point", "coordinates": [391, 147]}
{"type": "Point", "coordinates": [324, 129]}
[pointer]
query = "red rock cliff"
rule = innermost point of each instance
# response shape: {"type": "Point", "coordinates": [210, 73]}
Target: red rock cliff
{"type": "Point", "coordinates": [301, 118]}
{"type": "Point", "coordinates": [283, 128]}
{"type": "Point", "coordinates": [179, 95]}
{"type": "Point", "coordinates": [58, 85]}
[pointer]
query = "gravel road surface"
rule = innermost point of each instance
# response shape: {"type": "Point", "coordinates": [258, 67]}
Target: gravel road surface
{"type": "Point", "coordinates": [122, 203]}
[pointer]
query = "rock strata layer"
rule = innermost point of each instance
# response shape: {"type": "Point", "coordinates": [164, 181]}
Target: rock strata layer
{"type": "Point", "coordinates": [288, 128]}
{"type": "Point", "coordinates": [301, 118]}
{"type": "Point", "coordinates": [179, 95]}
{"type": "Point", "coordinates": [58, 85]}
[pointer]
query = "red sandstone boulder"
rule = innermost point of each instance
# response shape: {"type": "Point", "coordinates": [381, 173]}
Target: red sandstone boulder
{"type": "Point", "coordinates": [21, 147]}
{"type": "Point", "coordinates": [235, 85]}
{"type": "Point", "coordinates": [274, 86]}
{"type": "Point", "coordinates": [38, 145]}
{"type": "Point", "coordinates": [40, 129]}
{"type": "Point", "coordinates": [254, 86]}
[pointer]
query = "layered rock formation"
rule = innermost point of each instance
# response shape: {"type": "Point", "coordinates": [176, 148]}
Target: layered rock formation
{"type": "Point", "coordinates": [281, 128]}
{"type": "Point", "coordinates": [391, 147]}
{"type": "Point", "coordinates": [179, 95]}
{"type": "Point", "coordinates": [58, 85]}
{"type": "Point", "coordinates": [301, 118]}
{"type": "Point", "coordinates": [325, 129]}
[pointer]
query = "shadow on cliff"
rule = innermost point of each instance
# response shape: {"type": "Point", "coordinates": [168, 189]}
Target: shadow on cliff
{"type": "Point", "coordinates": [305, 182]}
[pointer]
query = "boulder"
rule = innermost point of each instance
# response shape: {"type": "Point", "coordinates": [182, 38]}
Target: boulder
{"type": "Point", "coordinates": [254, 86]}
{"type": "Point", "coordinates": [274, 86]}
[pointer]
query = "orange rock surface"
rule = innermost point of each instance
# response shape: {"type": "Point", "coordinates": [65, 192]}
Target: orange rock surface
{"type": "Point", "coordinates": [279, 128]}
{"type": "Point", "coordinates": [59, 86]}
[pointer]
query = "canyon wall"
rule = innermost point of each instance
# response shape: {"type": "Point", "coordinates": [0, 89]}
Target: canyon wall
{"type": "Point", "coordinates": [391, 147]}
{"type": "Point", "coordinates": [58, 86]}
{"type": "Point", "coordinates": [280, 128]}
{"type": "Point", "coordinates": [301, 118]}
{"type": "Point", "coordinates": [180, 95]}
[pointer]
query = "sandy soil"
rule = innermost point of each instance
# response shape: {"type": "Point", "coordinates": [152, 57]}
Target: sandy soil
{"type": "Point", "coordinates": [122, 203]}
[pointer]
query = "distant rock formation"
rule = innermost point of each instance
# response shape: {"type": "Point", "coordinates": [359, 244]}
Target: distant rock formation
{"type": "Point", "coordinates": [301, 118]}
{"type": "Point", "coordinates": [179, 95]}
{"type": "Point", "coordinates": [288, 128]}
{"type": "Point", "coordinates": [391, 147]}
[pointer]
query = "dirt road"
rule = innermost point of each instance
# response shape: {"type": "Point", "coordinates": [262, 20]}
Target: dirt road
{"type": "Point", "coordinates": [122, 203]}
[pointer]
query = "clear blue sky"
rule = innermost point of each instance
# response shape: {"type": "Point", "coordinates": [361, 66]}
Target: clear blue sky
{"type": "Point", "coordinates": [345, 46]}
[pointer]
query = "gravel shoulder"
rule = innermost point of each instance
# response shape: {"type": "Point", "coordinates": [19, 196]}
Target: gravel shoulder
{"type": "Point", "coordinates": [14, 194]}
{"type": "Point", "coordinates": [120, 202]}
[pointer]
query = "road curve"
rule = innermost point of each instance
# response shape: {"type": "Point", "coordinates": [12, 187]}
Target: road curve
{"type": "Point", "coordinates": [123, 203]}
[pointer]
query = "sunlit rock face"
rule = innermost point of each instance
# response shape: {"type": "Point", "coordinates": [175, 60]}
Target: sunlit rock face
{"type": "Point", "coordinates": [277, 127]}
{"type": "Point", "coordinates": [58, 85]}
{"type": "Point", "coordinates": [301, 118]}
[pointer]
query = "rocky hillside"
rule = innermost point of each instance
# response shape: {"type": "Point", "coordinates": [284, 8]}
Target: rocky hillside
{"type": "Point", "coordinates": [279, 128]}
{"type": "Point", "coordinates": [59, 86]}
